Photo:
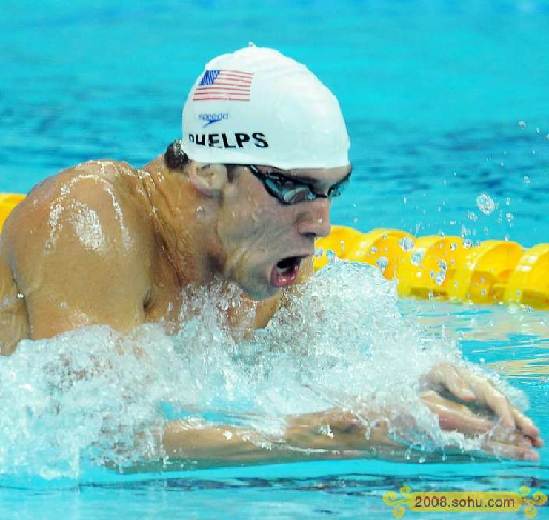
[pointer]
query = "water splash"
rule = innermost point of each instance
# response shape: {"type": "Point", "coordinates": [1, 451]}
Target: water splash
{"type": "Point", "coordinates": [95, 396]}
{"type": "Point", "coordinates": [485, 203]}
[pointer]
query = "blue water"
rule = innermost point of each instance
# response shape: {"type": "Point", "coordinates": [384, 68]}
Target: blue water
{"type": "Point", "coordinates": [444, 101]}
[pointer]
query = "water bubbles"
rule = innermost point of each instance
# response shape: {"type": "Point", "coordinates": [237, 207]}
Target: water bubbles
{"type": "Point", "coordinates": [331, 256]}
{"type": "Point", "coordinates": [526, 180]}
{"type": "Point", "coordinates": [406, 243]}
{"type": "Point", "coordinates": [471, 215]}
{"type": "Point", "coordinates": [417, 258]}
{"type": "Point", "coordinates": [440, 277]}
{"type": "Point", "coordinates": [382, 262]}
{"type": "Point", "coordinates": [485, 203]}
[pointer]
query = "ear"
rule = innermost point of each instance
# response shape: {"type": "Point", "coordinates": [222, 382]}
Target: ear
{"type": "Point", "coordinates": [208, 179]}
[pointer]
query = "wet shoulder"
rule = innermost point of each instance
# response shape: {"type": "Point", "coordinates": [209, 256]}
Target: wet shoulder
{"type": "Point", "coordinates": [90, 206]}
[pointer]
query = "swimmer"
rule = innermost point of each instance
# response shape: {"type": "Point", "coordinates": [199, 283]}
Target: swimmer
{"type": "Point", "coordinates": [241, 198]}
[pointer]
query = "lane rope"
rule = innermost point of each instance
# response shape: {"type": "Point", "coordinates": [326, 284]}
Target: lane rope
{"type": "Point", "coordinates": [447, 267]}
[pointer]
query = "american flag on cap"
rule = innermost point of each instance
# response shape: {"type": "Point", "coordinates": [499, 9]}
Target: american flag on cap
{"type": "Point", "coordinates": [225, 85]}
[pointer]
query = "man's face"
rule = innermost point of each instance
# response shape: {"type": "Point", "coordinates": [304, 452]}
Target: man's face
{"type": "Point", "coordinates": [265, 240]}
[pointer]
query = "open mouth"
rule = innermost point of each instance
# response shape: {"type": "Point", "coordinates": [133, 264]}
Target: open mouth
{"type": "Point", "coordinates": [285, 272]}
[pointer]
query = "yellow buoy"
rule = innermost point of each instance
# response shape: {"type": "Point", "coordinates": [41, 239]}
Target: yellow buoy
{"type": "Point", "coordinates": [337, 243]}
{"type": "Point", "coordinates": [493, 271]}
{"type": "Point", "coordinates": [429, 268]}
{"type": "Point", "coordinates": [485, 272]}
{"type": "Point", "coordinates": [529, 281]}
{"type": "Point", "coordinates": [378, 247]}
{"type": "Point", "coordinates": [8, 201]}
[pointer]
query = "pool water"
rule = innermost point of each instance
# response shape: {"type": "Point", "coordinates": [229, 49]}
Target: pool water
{"type": "Point", "coordinates": [448, 114]}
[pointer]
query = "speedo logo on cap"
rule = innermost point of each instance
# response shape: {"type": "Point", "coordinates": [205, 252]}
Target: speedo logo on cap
{"type": "Point", "coordinates": [210, 119]}
{"type": "Point", "coordinates": [236, 140]}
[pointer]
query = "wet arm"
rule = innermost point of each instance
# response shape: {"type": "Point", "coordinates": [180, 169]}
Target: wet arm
{"type": "Point", "coordinates": [307, 437]}
{"type": "Point", "coordinates": [337, 434]}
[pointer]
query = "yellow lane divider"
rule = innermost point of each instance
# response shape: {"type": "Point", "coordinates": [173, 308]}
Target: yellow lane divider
{"type": "Point", "coordinates": [8, 201]}
{"type": "Point", "coordinates": [444, 267]}
{"type": "Point", "coordinates": [447, 267]}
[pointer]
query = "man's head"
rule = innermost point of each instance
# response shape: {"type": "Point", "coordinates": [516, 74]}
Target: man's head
{"type": "Point", "coordinates": [267, 141]}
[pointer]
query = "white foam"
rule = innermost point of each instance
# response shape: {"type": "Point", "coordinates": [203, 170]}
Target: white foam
{"type": "Point", "coordinates": [92, 395]}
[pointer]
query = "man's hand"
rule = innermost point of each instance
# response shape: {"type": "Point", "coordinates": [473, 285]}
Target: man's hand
{"type": "Point", "coordinates": [471, 388]}
{"type": "Point", "coordinates": [343, 430]}
{"type": "Point", "coordinates": [335, 433]}
{"type": "Point", "coordinates": [496, 439]}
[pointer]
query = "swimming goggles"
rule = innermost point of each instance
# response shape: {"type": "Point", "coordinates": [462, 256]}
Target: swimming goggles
{"type": "Point", "coordinates": [289, 190]}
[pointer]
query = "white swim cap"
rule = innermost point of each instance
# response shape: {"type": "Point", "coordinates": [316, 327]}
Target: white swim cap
{"type": "Point", "coordinates": [256, 106]}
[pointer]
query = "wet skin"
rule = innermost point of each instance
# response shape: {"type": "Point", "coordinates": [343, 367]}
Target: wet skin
{"type": "Point", "coordinates": [104, 243]}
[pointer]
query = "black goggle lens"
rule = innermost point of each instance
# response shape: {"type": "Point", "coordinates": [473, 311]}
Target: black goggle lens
{"type": "Point", "coordinates": [292, 191]}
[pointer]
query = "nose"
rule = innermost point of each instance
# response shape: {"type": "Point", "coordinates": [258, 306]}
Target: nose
{"type": "Point", "coordinates": [314, 218]}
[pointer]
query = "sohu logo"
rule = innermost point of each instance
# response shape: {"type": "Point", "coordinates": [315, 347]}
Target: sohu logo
{"type": "Point", "coordinates": [210, 119]}
{"type": "Point", "coordinates": [236, 140]}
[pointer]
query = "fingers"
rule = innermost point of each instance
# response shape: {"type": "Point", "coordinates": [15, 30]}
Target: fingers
{"type": "Point", "coordinates": [527, 426]}
{"type": "Point", "coordinates": [510, 416]}
{"type": "Point", "coordinates": [498, 403]}
{"type": "Point", "coordinates": [455, 417]}
{"type": "Point", "coordinates": [468, 426]}
{"type": "Point", "coordinates": [515, 445]}
{"type": "Point", "coordinates": [468, 386]}
{"type": "Point", "coordinates": [464, 384]}
{"type": "Point", "coordinates": [510, 451]}
{"type": "Point", "coordinates": [447, 375]}
{"type": "Point", "coordinates": [504, 436]}
{"type": "Point", "coordinates": [497, 438]}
